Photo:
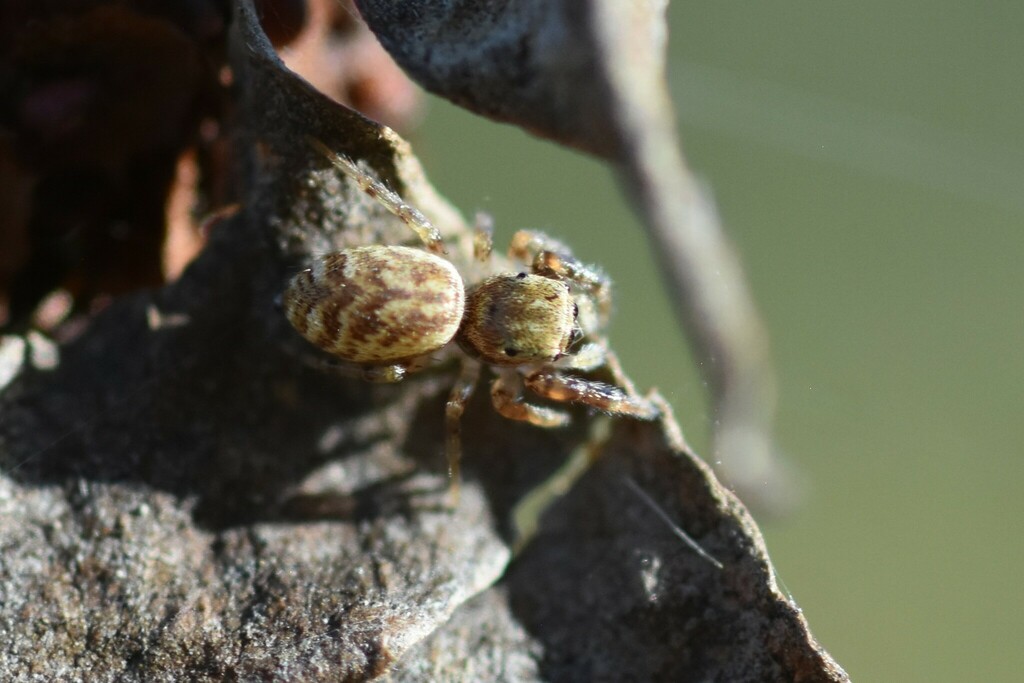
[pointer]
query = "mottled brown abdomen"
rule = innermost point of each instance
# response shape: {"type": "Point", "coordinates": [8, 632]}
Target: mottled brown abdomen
{"type": "Point", "coordinates": [378, 304]}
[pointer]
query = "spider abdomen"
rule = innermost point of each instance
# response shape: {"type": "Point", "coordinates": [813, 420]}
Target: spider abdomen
{"type": "Point", "coordinates": [377, 305]}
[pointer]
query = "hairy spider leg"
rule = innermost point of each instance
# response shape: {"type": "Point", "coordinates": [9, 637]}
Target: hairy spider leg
{"type": "Point", "coordinates": [456, 406]}
{"type": "Point", "coordinates": [483, 236]}
{"type": "Point", "coordinates": [619, 377]}
{"type": "Point", "coordinates": [388, 198]}
{"type": "Point", "coordinates": [507, 398]}
{"type": "Point", "coordinates": [553, 385]}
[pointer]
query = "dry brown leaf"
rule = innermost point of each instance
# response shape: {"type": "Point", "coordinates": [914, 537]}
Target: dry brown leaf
{"type": "Point", "coordinates": [182, 498]}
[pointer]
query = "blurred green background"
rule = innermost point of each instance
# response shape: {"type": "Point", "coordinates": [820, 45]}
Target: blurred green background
{"type": "Point", "coordinates": [868, 161]}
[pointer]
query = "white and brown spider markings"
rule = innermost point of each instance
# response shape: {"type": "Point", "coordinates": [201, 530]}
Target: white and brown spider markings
{"type": "Point", "coordinates": [386, 311]}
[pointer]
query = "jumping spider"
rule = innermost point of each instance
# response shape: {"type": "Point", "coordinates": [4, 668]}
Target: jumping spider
{"type": "Point", "coordinates": [386, 311]}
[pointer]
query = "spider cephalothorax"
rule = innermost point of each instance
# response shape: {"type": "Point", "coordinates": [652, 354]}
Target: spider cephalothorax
{"type": "Point", "coordinates": [513, 319]}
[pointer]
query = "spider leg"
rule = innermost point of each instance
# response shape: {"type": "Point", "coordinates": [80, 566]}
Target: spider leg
{"type": "Point", "coordinates": [456, 406]}
{"type": "Point", "coordinates": [551, 384]}
{"type": "Point", "coordinates": [388, 198]}
{"type": "Point", "coordinates": [619, 376]}
{"type": "Point", "coordinates": [526, 244]}
{"type": "Point", "coordinates": [592, 356]}
{"type": "Point", "coordinates": [483, 236]}
{"type": "Point", "coordinates": [507, 397]}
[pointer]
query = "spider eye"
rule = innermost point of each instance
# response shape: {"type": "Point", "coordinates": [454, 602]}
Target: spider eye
{"type": "Point", "coordinates": [511, 353]}
{"type": "Point", "coordinates": [575, 310]}
{"type": "Point", "coordinates": [520, 276]}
